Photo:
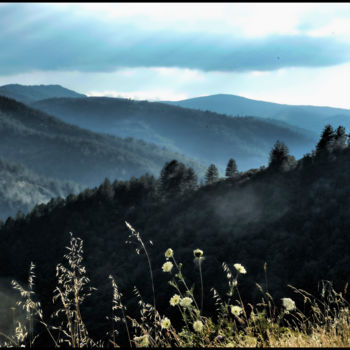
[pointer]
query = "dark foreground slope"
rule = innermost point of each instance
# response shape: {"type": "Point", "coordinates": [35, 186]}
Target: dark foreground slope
{"type": "Point", "coordinates": [56, 149]}
{"type": "Point", "coordinates": [206, 136]}
{"type": "Point", "coordinates": [292, 215]}
{"type": "Point", "coordinates": [310, 117]}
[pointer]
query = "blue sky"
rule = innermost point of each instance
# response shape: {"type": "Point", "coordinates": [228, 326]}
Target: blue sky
{"type": "Point", "coordinates": [288, 53]}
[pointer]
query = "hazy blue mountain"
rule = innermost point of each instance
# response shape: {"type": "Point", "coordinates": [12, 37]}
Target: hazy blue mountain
{"type": "Point", "coordinates": [206, 136]}
{"type": "Point", "coordinates": [56, 149]}
{"type": "Point", "coordinates": [32, 93]}
{"type": "Point", "coordinates": [21, 189]}
{"type": "Point", "coordinates": [309, 117]}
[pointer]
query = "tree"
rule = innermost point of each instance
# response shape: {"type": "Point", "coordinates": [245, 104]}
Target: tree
{"type": "Point", "coordinates": [176, 179]}
{"type": "Point", "coordinates": [231, 169]}
{"type": "Point", "coordinates": [326, 141]}
{"type": "Point", "coordinates": [279, 156]}
{"type": "Point", "coordinates": [212, 174]}
{"type": "Point", "coordinates": [340, 138]}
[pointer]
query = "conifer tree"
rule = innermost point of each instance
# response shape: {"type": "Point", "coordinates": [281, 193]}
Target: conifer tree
{"type": "Point", "coordinates": [278, 155]}
{"type": "Point", "coordinates": [326, 141]}
{"type": "Point", "coordinates": [212, 174]}
{"type": "Point", "coordinates": [231, 169]}
{"type": "Point", "coordinates": [340, 138]}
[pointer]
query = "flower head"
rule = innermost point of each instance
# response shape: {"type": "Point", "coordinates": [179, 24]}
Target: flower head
{"type": "Point", "coordinates": [142, 341]}
{"type": "Point", "coordinates": [198, 253]}
{"type": "Point", "coordinates": [167, 266]}
{"type": "Point", "coordinates": [169, 253]}
{"type": "Point", "coordinates": [240, 268]}
{"type": "Point", "coordinates": [288, 304]}
{"type": "Point", "coordinates": [175, 300]}
{"type": "Point", "coordinates": [198, 326]}
{"type": "Point", "coordinates": [165, 323]}
{"type": "Point", "coordinates": [236, 310]}
{"type": "Point", "coordinates": [185, 302]}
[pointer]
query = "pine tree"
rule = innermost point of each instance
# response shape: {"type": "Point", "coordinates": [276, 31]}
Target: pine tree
{"type": "Point", "coordinates": [340, 138]}
{"type": "Point", "coordinates": [176, 179]}
{"type": "Point", "coordinates": [278, 155]}
{"type": "Point", "coordinates": [231, 169]}
{"type": "Point", "coordinates": [212, 174]}
{"type": "Point", "coordinates": [326, 141]}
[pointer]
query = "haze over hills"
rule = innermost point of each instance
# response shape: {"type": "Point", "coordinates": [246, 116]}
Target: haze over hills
{"type": "Point", "coordinates": [21, 189]}
{"type": "Point", "coordinates": [313, 118]}
{"type": "Point", "coordinates": [53, 148]}
{"type": "Point", "coordinates": [206, 136]}
{"type": "Point", "coordinates": [32, 93]}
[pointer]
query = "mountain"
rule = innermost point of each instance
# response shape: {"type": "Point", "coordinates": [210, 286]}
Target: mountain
{"type": "Point", "coordinates": [31, 93]}
{"type": "Point", "coordinates": [52, 148]}
{"type": "Point", "coordinates": [295, 219]}
{"type": "Point", "coordinates": [21, 189]}
{"type": "Point", "coordinates": [206, 136]}
{"type": "Point", "coordinates": [310, 117]}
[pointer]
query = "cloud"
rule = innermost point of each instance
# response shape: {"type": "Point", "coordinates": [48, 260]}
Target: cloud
{"type": "Point", "coordinates": [54, 38]}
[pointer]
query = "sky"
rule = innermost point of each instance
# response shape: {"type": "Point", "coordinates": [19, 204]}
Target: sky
{"type": "Point", "coordinates": [294, 53]}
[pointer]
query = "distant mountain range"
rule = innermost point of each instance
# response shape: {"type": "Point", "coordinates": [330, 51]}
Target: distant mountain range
{"type": "Point", "coordinates": [52, 148]}
{"type": "Point", "coordinates": [313, 118]}
{"type": "Point", "coordinates": [206, 136]}
{"type": "Point", "coordinates": [32, 93]}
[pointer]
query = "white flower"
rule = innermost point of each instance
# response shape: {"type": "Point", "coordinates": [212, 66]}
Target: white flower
{"type": "Point", "coordinates": [167, 266]}
{"type": "Point", "coordinates": [198, 326]}
{"type": "Point", "coordinates": [169, 253]}
{"type": "Point", "coordinates": [198, 253]}
{"type": "Point", "coordinates": [165, 323]}
{"type": "Point", "coordinates": [236, 310]}
{"type": "Point", "coordinates": [288, 304]}
{"type": "Point", "coordinates": [175, 299]}
{"type": "Point", "coordinates": [240, 268]}
{"type": "Point", "coordinates": [186, 302]}
{"type": "Point", "coordinates": [142, 341]}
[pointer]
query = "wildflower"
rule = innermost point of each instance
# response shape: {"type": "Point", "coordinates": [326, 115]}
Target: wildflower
{"type": "Point", "coordinates": [175, 300]}
{"type": "Point", "coordinates": [288, 304]}
{"type": "Point", "coordinates": [186, 302]}
{"type": "Point", "coordinates": [236, 310]}
{"type": "Point", "coordinates": [240, 268]}
{"type": "Point", "coordinates": [165, 323]}
{"type": "Point", "coordinates": [167, 266]}
{"type": "Point", "coordinates": [198, 253]}
{"type": "Point", "coordinates": [142, 341]}
{"type": "Point", "coordinates": [169, 253]}
{"type": "Point", "coordinates": [198, 326]}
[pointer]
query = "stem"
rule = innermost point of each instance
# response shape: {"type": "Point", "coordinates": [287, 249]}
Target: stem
{"type": "Point", "coordinates": [200, 273]}
{"type": "Point", "coordinates": [151, 274]}
{"type": "Point", "coordinates": [126, 326]}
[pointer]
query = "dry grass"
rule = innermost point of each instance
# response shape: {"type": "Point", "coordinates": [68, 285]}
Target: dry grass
{"type": "Point", "coordinates": [236, 325]}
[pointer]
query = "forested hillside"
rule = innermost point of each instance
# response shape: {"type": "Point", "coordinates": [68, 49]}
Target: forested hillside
{"type": "Point", "coordinates": [293, 215]}
{"type": "Point", "coordinates": [206, 136]}
{"type": "Point", "coordinates": [56, 149]}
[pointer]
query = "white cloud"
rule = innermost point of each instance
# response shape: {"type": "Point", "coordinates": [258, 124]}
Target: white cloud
{"type": "Point", "coordinates": [149, 95]}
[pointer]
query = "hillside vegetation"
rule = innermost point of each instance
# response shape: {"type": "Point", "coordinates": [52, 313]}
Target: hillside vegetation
{"type": "Point", "coordinates": [291, 218]}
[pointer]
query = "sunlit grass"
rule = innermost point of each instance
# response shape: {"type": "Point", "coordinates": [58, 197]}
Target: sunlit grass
{"type": "Point", "coordinates": [235, 324]}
